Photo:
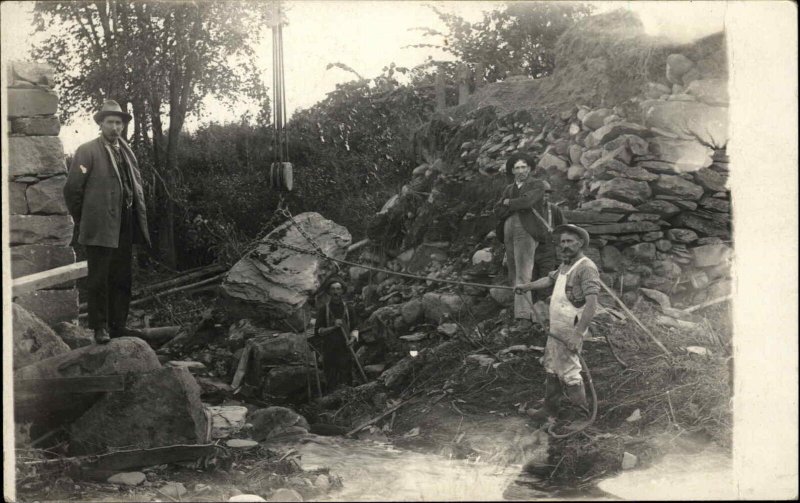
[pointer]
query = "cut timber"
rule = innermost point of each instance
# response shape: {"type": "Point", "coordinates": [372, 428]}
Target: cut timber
{"type": "Point", "coordinates": [357, 246]}
{"type": "Point", "coordinates": [52, 277]}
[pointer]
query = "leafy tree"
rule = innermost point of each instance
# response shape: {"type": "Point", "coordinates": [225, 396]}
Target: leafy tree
{"type": "Point", "coordinates": [159, 60]}
{"type": "Point", "coordinates": [517, 38]}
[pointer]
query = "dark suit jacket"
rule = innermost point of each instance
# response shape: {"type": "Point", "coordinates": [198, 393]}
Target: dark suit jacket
{"type": "Point", "coordinates": [93, 194]}
{"type": "Point", "coordinates": [530, 195]}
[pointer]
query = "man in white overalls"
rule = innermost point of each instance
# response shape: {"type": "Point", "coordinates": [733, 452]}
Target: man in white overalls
{"type": "Point", "coordinates": [576, 284]}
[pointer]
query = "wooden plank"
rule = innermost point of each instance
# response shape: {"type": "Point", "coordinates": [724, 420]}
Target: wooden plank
{"type": "Point", "coordinates": [61, 385]}
{"type": "Point", "coordinates": [51, 277]}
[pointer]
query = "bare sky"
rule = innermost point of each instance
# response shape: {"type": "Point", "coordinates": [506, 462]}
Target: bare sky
{"type": "Point", "coordinates": [365, 35]}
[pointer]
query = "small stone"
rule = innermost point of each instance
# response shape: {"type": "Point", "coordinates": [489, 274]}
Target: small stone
{"type": "Point", "coordinates": [643, 252]}
{"type": "Point", "coordinates": [612, 131]}
{"type": "Point", "coordinates": [575, 172]}
{"type": "Point", "coordinates": [127, 478]}
{"type": "Point", "coordinates": [246, 498]}
{"type": "Point", "coordinates": [625, 190]}
{"type": "Point", "coordinates": [322, 482]}
{"type": "Point", "coordinates": [663, 245]}
{"type": "Point", "coordinates": [448, 329]}
{"type": "Point", "coordinates": [480, 256]}
{"type": "Point", "coordinates": [663, 208]}
{"type": "Point", "coordinates": [677, 186]}
{"type": "Point", "coordinates": [575, 153]}
{"type": "Point", "coordinates": [628, 461]}
{"type": "Point", "coordinates": [681, 235]}
{"type": "Point", "coordinates": [611, 258]}
{"type": "Point", "coordinates": [710, 180]}
{"type": "Point", "coordinates": [193, 367]}
{"type": "Point", "coordinates": [284, 494]}
{"type": "Point", "coordinates": [698, 350]}
{"type": "Point", "coordinates": [635, 416]}
{"type": "Point", "coordinates": [173, 489]}
{"type": "Point", "coordinates": [548, 160]}
{"type": "Point", "coordinates": [711, 255]}
{"type": "Point", "coordinates": [652, 236]}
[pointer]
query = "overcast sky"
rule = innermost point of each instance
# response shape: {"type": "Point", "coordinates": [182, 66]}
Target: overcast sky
{"type": "Point", "coordinates": [366, 35]}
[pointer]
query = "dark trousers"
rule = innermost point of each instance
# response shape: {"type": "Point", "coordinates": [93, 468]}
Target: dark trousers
{"type": "Point", "coordinates": [545, 262]}
{"type": "Point", "coordinates": [110, 279]}
{"type": "Point", "coordinates": [337, 361]}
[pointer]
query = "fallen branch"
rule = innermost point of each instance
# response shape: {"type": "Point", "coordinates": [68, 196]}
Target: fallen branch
{"type": "Point", "coordinates": [380, 416]}
{"type": "Point", "coordinates": [635, 319]}
{"type": "Point", "coordinates": [706, 304]}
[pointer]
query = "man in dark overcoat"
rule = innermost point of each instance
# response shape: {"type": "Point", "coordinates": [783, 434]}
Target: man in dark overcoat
{"type": "Point", "coordinates": [104, 195]}
{"type": "Point", "coordinates": [335, 328]}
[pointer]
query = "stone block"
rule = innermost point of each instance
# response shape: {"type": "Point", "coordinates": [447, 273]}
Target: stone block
{"type": "Point", "coordinates": [32, 101]}
{"type": "Point", "coordinates": [40, 156]}
{"type": "Point", "coordinates": [605, 205]}
{"type": "Point", "coordinates": [47, 197]}
{"type": "Point", "coordinates": [36, 126]}
{"type": "Point", "coordinates": [682, 155]}
{"type": "Point", "coordinates": [718, 226]}
{"type": "Point", "coordinates": [28, 72]}
{"type": "Point", "coordinates": [29, 259]}
{"type": "Point", "coordinates": [672, 185]}
{"type": "Point", "coordinates": [711, 180]}
{"type": "Point", "coordinates": [611, 131]}
{"type": "Point", "coordinates": [40, 229]}
{"type": "Point", "coordinates": [17, 203]}
{"type": "Point", "coordinates": [689, 119]}
{"type": "Point", "coordinates": [622, 228]}
{"type": "Point", "coordinates": [625, 190]}
{"type": "Point", "coordinates": [52, 306]}
{"type": "Point", "coordinates": [677, 66]}
{"type": "Point", "coordinates": [663, 208]}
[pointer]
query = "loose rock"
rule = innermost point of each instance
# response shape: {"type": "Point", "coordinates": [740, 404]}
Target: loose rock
{"type": "Point", "coordinates": [127, 478]}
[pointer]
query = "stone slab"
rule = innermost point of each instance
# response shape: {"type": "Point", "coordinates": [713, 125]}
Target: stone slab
{"type": "Point", "coordinates": [52, 306]}
{"type": "Point", "coordinates": [30, 259]}
{"type": "Point", "coordinates": [29, 72]}
{"type": "Point", "coordinates": [36, 126]}
{"type": "Point", "coordinates": [40, 156]}
{"type": "Point", "coordinates": [28, 102]}
{"type": "Point", "coordinates": [17, 203]}
{"type": "Point", "coordinates": [47, 197]}
{"type": "Point", "coordinates": [622, 228]}
{"type": "Point", "coordinates": [40, 229]}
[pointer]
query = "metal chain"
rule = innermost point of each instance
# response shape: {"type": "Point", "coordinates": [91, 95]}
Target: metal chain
{"type": "Point", "coordinates": [308, 238]}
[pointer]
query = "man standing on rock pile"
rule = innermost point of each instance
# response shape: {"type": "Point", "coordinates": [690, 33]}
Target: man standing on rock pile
{"type": "Point", "coordinates": [576, 285]}
{"type": "Point", "coordinates": [335, 324]}
{"type": "Point", "coordinates": [520, 229]}
{"type": "Point", "coordinates": [104, 195]}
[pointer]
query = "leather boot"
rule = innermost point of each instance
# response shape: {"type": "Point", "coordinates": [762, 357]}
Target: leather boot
{"type": "Point", "coordinates": [577, 395]}
{"type": "Point", "coordinates": [552, 400]}
{"type": "Point", "coordinates": [101, 336]}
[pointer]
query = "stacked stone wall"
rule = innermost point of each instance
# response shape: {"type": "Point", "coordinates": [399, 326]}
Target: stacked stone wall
{"type": "Point", "coordinates": [40, 228]}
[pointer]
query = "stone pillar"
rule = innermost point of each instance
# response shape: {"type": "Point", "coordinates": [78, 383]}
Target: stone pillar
{"type": "Point", "coordinates": [40, 229]}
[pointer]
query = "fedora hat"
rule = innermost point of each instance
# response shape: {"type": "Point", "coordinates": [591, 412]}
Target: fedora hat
{"type": "Point", "coordinates": [111, 107]}
{"type": "Point", "coordinates": [330, 280]}
{"type": "Point", "coordinates": [574, 229]}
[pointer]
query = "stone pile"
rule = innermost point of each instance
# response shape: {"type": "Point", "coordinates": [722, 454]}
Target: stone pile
{"type": "Point", "coordinates": [40, 229]}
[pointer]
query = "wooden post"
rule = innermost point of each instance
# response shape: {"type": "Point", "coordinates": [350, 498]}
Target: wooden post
{"type": "Point", "coordinates": [462, 77]}
{"type": "Point", "coordinates": [441, 92]}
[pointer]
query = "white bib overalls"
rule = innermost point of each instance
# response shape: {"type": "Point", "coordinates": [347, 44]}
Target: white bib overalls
{"type": "Point", "coordinates": [564, 316]}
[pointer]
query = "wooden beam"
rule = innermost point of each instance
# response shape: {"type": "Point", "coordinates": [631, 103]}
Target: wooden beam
{"type": "Point", "coordinates": [51, 277]}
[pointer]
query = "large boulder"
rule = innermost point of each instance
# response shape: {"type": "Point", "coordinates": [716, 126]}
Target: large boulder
{"type": "Point", "coordinates": [52, 306]}
{"type": "Point", "coordinates": [711, 255]}
{"type": "Point", "coordinates": [272, 421]}
{"type": "Point", "coordinates": [716, 224]}
{"type": "Point", "coordinates": [74, 335]}
{"type": "Point", "coordinates": [625, 190]}
{"type": "Point", "coordinates": [33, 340]}
{"type": "Point", "coordinates": [286, 382]}
{"type": "Point", "coordinates": [269, 351]}
{"type": "Point", "coordinates": [120, 356]}
{"type": "Point", "coordinates": [682, 155]}
{"type": "Point", "coordinates": [689, 120]}
{"type": "Point", "coordinates": [274, 282]}
{"type": "Point", "coordinates": [157, 408]}
{"type": "Point", "coordinates": [711, 180]}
